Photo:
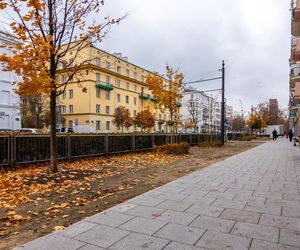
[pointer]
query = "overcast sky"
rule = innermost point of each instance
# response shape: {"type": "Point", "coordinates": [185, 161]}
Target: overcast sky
{"type": "Point", "coordinates": [252, 36]}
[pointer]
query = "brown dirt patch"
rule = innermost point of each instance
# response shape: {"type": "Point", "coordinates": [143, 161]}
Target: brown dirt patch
{"type": "Point", "coordinates": [33, 202]}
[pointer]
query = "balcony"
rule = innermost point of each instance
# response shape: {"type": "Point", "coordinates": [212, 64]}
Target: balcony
{"type": "Point", "coordinates": [295, 8]}
{"type": "Point", "coordinates": [104, 86]}
{"type": "Point", "coordinates": [295, 53]}
{"type": "Point", "coordinates": [144, 97]}
{"type": "Point", "coordinates": [294, 75]}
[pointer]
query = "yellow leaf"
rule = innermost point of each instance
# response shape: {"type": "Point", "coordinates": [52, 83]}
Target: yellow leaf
{"type": "Point", "coordinates": [58, 228]}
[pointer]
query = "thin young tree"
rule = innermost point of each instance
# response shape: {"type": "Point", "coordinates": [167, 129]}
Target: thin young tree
{"type": "Point", "coordinates": [48, 30]}
{"type": "Point", "coordinates": [168, 93]}
{"type": "Point", "coordinates": [122, 118]}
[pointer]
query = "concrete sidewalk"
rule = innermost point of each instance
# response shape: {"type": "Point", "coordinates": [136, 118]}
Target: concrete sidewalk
{"type": "Point", "coordinates": [249, 201]}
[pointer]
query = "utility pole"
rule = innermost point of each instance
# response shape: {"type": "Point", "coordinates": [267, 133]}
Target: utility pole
{"type": "Point", "coordinates": [223, 105]}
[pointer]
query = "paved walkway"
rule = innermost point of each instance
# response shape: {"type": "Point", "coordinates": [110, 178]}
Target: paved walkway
{"type": "Point", "coordinates": [249, 201]}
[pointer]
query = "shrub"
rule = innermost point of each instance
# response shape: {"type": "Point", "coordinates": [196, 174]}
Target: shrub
{"type": "Point", "coordinates": [212, 144]}
{"type": "Point", "coordinates": [175, 148]}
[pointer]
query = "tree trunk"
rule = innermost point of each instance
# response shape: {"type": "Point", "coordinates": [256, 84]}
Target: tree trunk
{"type": "Point", "coordinates": [53, 143]}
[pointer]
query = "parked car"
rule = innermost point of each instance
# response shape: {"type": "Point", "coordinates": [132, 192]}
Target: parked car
{"type": "Point", "coordinates": [6, 130]}
{"type": "Point", "coordinates": [29, 130]}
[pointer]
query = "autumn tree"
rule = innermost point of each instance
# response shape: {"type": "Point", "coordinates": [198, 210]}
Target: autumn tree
{"type": "Point", "coordinates": [195, 114]}
{"type": "Point", "coordinates": [122, 118]}
{"type": "Point", "coordinates": [144, 120]}
{"type": "Point", "coordinates": [255, 122]}
{"type": "Point", "coordinates": [238, 123]}
{"type": "Point", "coordinates": [167, 92]}
{"type": "Point", "coordinates": [33, 110]}
{"type": "Point", "coordinates": [187, 124]}
{"type": "Point", "coordinates": [47, 32]}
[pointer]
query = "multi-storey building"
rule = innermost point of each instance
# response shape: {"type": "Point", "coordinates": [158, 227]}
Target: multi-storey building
{"type": "Point", "coordinates": [204, 108]}
{"type": "Point", "coordinates": [105, 82]}
{"type": "Point", "coordinates": [9, 101]}
{"type": "Point", "coordinates": [294, 103]}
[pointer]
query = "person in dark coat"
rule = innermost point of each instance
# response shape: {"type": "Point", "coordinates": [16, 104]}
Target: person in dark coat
{"type": "Point", "coordinates": [291, 134]}
{"type": "Point", "coordinates": [274, 133]}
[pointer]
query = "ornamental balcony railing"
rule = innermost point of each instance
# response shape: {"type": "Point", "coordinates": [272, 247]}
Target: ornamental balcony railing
{"type": "Point", "coordinates": [295, 9]}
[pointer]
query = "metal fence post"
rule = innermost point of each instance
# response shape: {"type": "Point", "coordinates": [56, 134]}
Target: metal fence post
{"type": "Point", "coordinates": [69, 146]}
{"type": "Point", "coordinates": [12, 151]}
{"type": "Point", "coordinates": [133, 142]}
{"type": "Point", "coordinates": [106, 144]}
{"type": "Point", "coordinates": [153, 141]}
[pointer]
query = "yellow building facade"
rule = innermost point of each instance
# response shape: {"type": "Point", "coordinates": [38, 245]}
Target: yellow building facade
{"type": "Point", "coordinates": [105, 82]}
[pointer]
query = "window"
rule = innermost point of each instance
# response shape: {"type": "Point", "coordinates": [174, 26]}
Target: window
{"type": "Point", "coordinates": [135, 100]}
{"type": "Point", "coordinates": [159, 116]}
{"type": "Point", "coordinates": [64, 95]}
{"type": "Point", "coordinates": [134, 113]}
{"type": "Point", "coordinates": [107, 110]}
{"type": "Point", "coordinates": [127, 85]}
{"type": "Point", "coordinates": [107, 125]}
{"type": "Point", "coordinates": [142, 78]}
{"type": "Point", "coordinates": [71, 109]}
{"type": "Point", "coordinates": [107, 65]}
{"type": "Point", "coordinates": [107, 80]}
{"type": "Point", "coordinates": [135, 88]}
{"type": "Point", "coordinates": [118, 98]}
{"type": "Point", "coordinates": [107, 95]}
{"type": "Point", "coordinates": [71, 61]}
{"type": "Point", "coordinates": [119, 83]}
{"type": "Point", "coordinates": [98, 125]}
{"type": "Point", "coordinates": [98, 93]}
{"type": "Point", "coordinates": [127, 99]}
{"type": "Point", "coordinates": [63, 109]}
{"type": "Point", "coordinates": [64, 79]}
{"type": "Point", "coordinates": [97, 108]}
{"type": "Point", "coordinates": [70, 124]}
{"type": "Point", "coordinates": [71, 93]}
{"type": "Point", "coordinates": [135, 75]}
{"type": "Point", "coordinates": [119, 69]}
{"type": "Point", "coordinates": [142, 90]}
{"type": "Point", "coordinates": [127, 72]}
{"type": "Point", "coordinates": [98, 61]}
{"type": "Point", "coordinates": [98, 78]}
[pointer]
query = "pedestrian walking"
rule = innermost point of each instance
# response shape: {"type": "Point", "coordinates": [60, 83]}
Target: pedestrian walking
{"type": "Point", "coordinates": [286, 134]}
{"type": "Point", "coordinates": [291, 134]}
{"type": "Point", "coordinates": [274, 133]}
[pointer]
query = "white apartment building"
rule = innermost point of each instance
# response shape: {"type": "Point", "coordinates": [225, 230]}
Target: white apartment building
{"type": "Point", "coordinates": [200, 107]}
{"type": "Point", "coordinates": [206, 109]}
{"type": "Point", "coordinates": [9, 101]}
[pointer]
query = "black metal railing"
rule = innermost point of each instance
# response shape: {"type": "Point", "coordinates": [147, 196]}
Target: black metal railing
{"type": "Point", "coordinates": [17, 149]}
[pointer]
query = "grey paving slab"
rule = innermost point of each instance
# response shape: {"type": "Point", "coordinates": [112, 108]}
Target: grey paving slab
{"type": "Point", "coordinates": [290, 237]}
{"type": "Point", "coordinates": [229, 204]}
{"type": "Point", "coordinates": [214, 240]}
{"type": "Point", "coordinates": [249, 200]}
{"type": "Point", "coordinates": [175, 205]}
{"type": "Point", "coordinates": [205, 210]}
{"type": "Point", "coordinates": [143, 225]}
{"type": "Point", "coordinates": [256, 231]}
{"type": "Point", "coordinates": [109, 218]}
{"type": "Point", "coordinates": [179, 233]}
{"type": "Point", "coordinates": [136, 241]}
{"type": "Point", "coordinates": [280, 221]}
{"type": "Point", "coordinates": [264, 245]}
{"type": "Point", "coordinates": [53, 241]}
{"type": "Point", "coordinates": [179, 246]}
{"type": "Point", "coordinates": [240, 215]}
{"type": "Point", "coordinates": [214, 224]}
{"type": "Point", "coordinates": [77, 228]}
{"type": "Point", "coordinates": [181, 218]}
{"type": "Point", "coordinates": [102, 236]}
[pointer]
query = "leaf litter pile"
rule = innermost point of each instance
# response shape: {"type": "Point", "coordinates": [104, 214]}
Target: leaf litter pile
{"type": "Point", "coordinates": [34, 202]}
